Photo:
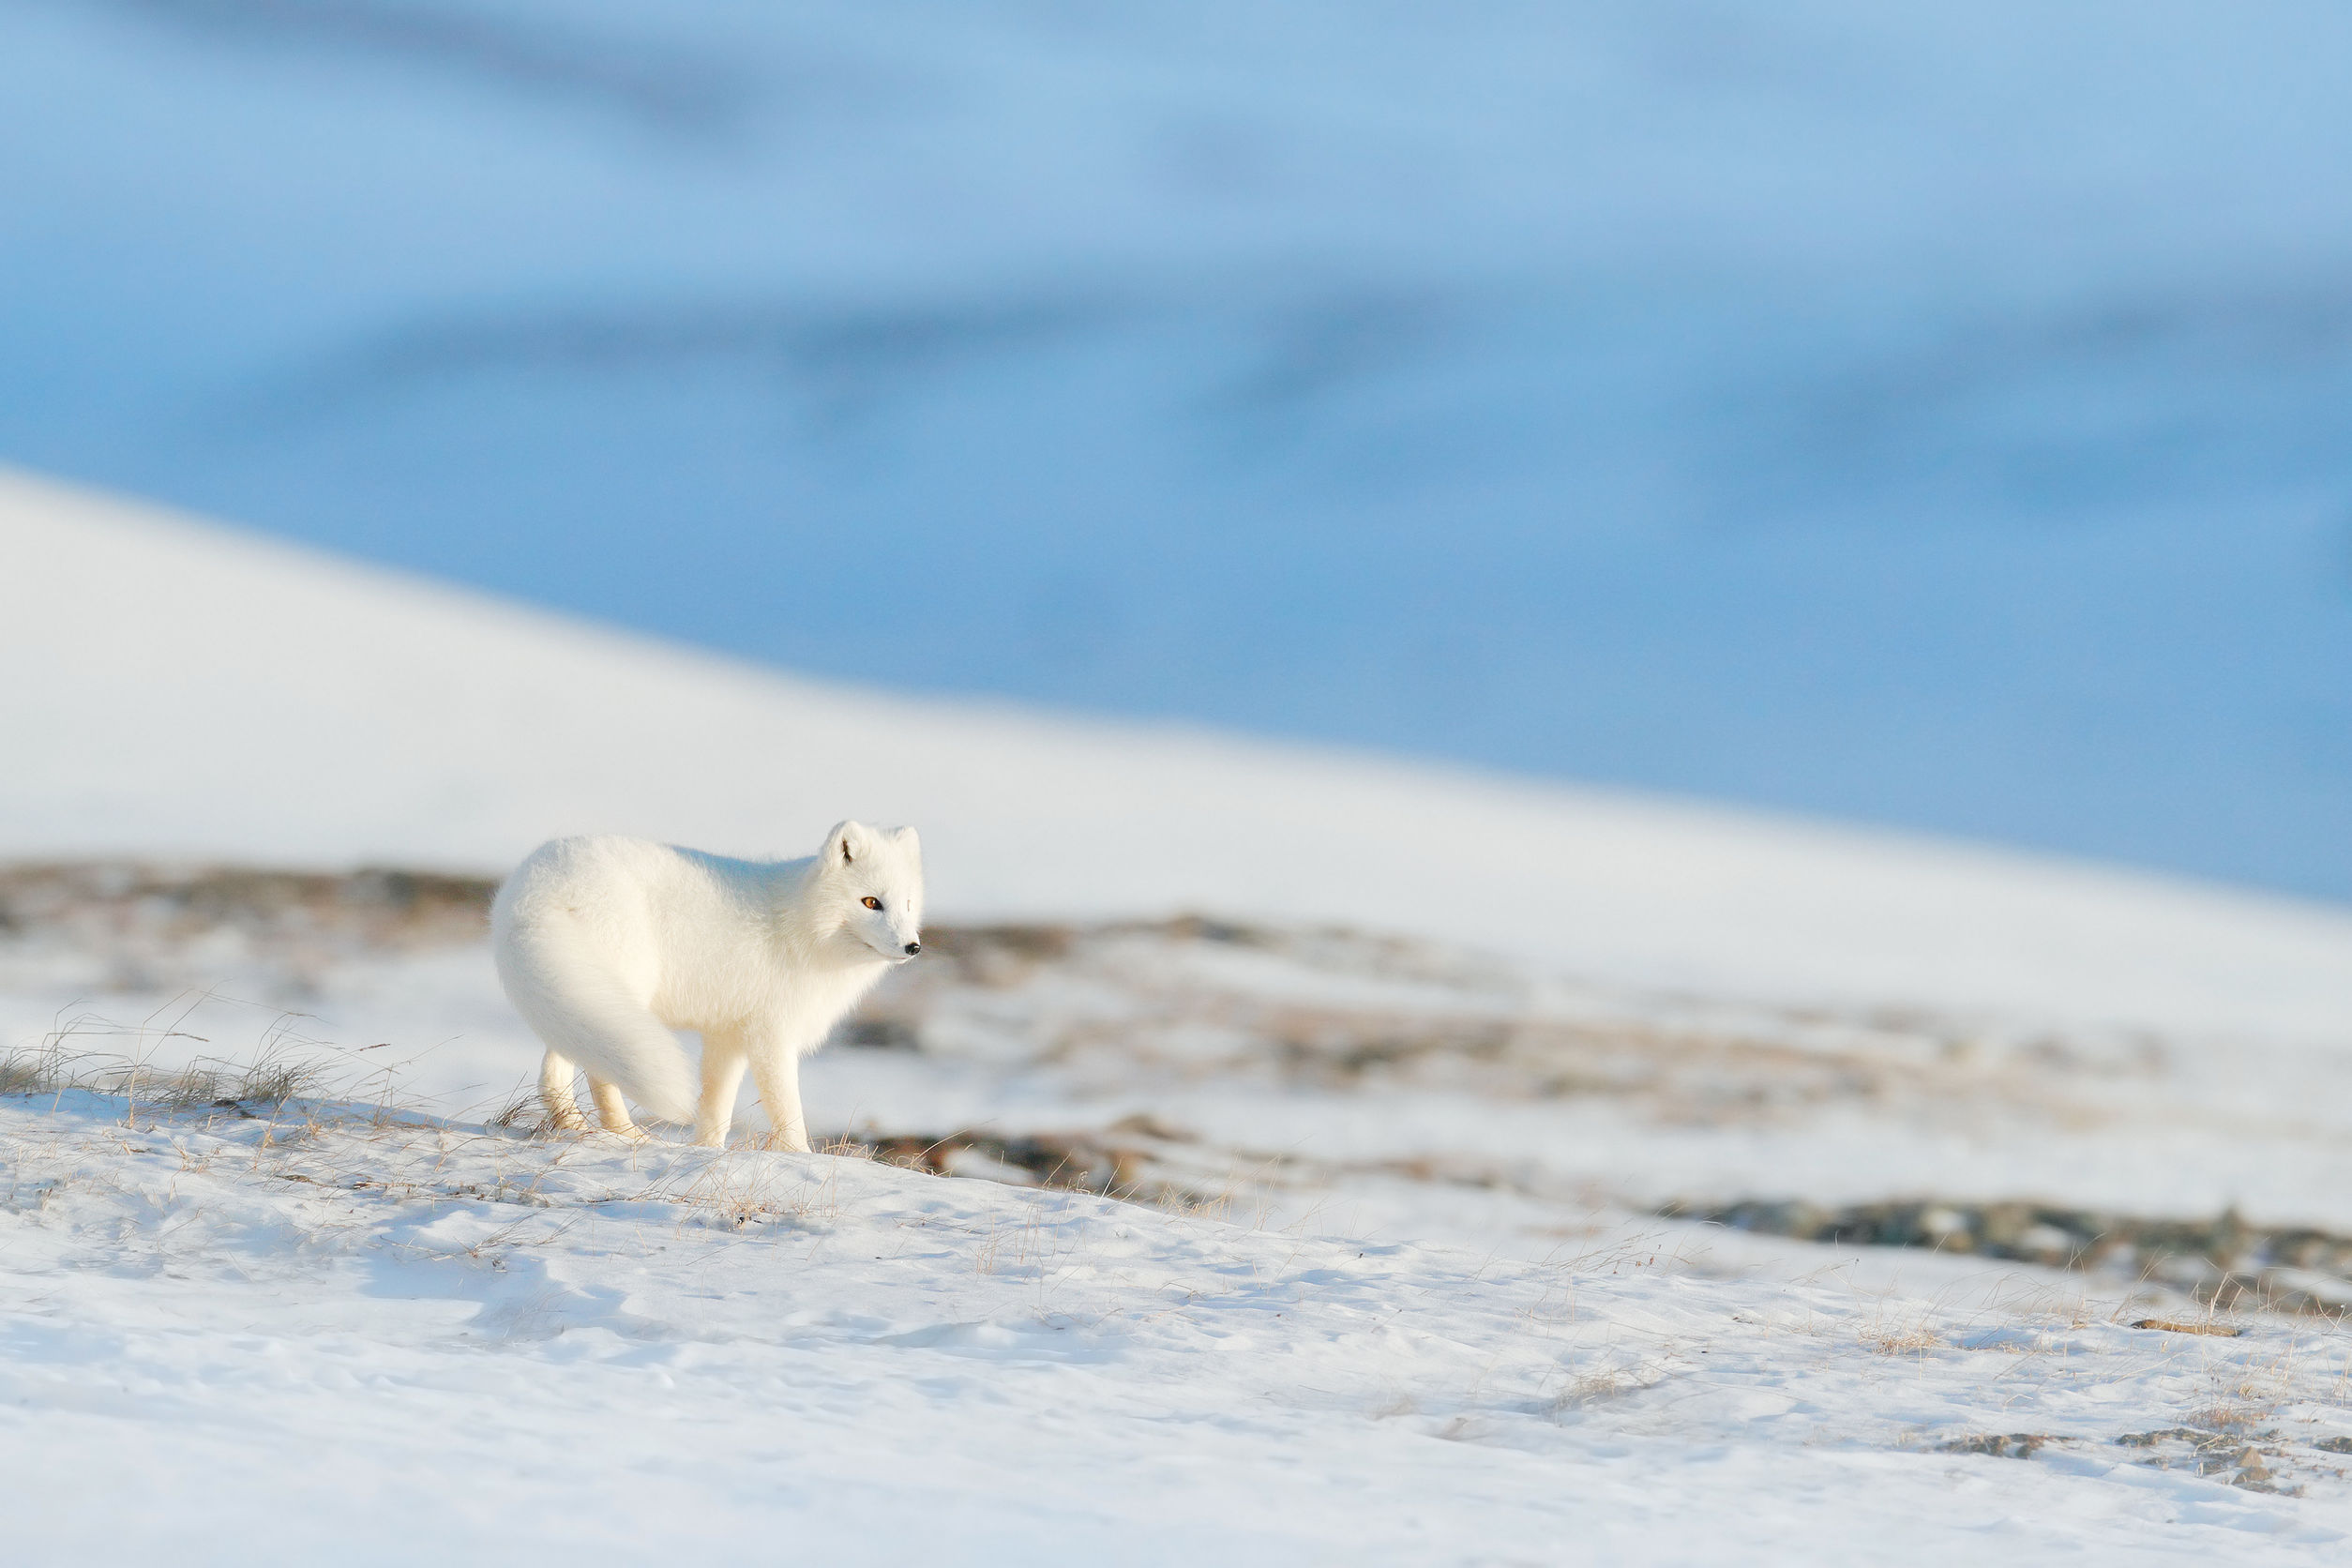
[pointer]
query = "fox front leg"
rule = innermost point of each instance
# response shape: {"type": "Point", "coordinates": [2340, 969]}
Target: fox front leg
{"type": "Point", "coordinates": [723, 1062]}
{"type": "Point", "coordinates": [779, 1072]}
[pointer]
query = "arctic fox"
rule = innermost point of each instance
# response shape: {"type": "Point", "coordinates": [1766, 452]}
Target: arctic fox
{"type": "Point", "coordinates": [604, 945]}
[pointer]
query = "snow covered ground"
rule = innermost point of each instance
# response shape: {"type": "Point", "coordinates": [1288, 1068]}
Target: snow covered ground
{"type": "Point", "coordinates": [281, 1337]}
{"type": "Point", "coordinates": [1287, 1069]}
{"type": "Point", "coordinates": [1399, 1067]}
{"type": "Point", "coordinates": [1392, 1285]}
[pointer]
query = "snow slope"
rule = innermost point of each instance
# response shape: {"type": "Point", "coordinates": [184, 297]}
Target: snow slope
{"type": "Point", "coordinates": [175, 688]}
{"type": "Point", "coordinates": [294, 1338]}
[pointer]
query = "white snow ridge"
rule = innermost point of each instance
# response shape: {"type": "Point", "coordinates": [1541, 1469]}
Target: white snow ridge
{"type": "Point", "coordinates": [1360, 1162]}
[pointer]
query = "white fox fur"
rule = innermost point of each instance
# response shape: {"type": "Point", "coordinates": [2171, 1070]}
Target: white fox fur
{"type": "Point", "coordinates": [604, 945]}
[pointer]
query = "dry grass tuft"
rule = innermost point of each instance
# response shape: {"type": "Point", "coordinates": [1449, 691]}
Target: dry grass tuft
{"type": "Point", "coordinates": [93, 1055]}
{"type": "Point", "coordinates": [2208, 1326]}
{"type": "Point", "coordinates": [1915, 1341]}
{"type": "Point", "coordinates": [521, 1112]}
{"type": "Point", "coordinates": [277, 1077]}
{"type": "Point", "coordinates": [1618, 1379]}
{"type": "Point", "coordinates": [25, 1072]}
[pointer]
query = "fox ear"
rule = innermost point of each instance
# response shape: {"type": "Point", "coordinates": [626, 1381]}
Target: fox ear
{"type": "Point", "coordinates": [908, 840]}
{"type": "Point", "coordinates": [845, 845]}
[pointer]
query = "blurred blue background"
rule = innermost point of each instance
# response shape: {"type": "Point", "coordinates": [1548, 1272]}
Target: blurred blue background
{"type": "Point", "coordinates": [1936, 415]}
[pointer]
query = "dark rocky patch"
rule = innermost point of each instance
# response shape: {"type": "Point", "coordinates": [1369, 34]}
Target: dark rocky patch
{"type": "Point", "coordinates": [1074, 1161]}
{"type": "Point", "coordinates": [103, 903]}
{"type": "Point", "coordinates": [2013, 1445]}
{"type": "Point", "coordinates": [2225, 1260]}
{"type": "Point", "coordinates": [2237, 1458]}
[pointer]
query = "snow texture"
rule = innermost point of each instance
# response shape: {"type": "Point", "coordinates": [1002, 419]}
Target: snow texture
{"type": "Point", "coordinates": [384, 1342]}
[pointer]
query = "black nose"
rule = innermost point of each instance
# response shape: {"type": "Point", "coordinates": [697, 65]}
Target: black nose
{"type": "Point", "coordinates": [913, 948]}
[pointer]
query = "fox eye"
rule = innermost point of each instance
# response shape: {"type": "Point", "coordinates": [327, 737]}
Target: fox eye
{"type": "Point", "coordinates": [871, 901]}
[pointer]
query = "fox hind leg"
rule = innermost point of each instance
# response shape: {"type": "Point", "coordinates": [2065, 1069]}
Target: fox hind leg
{"type": "Point", "coordinates": [588, 1018]}
{"type": "Point", "coordinates": [555, 1093]}
{"type": "Point", "coordinates": [611, 1109]}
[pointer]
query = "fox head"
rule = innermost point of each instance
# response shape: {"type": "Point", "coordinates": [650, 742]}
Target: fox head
{"type": "Point", "coordinates": [872, 879]}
